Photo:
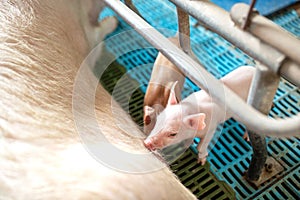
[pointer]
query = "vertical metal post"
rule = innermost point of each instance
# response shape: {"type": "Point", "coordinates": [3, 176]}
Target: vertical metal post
{"type": "Point", "coordinates": [184, 32]}
{"type": "Point", "coordinates": [247, 20]}
{"type": "Point", "coordinates": [262, 92]}
{"type": "Point", "coordinates": [130, 4]}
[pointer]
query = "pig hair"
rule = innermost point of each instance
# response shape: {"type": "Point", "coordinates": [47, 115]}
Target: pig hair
{"type": "Point", "coordinates": [41, 156]}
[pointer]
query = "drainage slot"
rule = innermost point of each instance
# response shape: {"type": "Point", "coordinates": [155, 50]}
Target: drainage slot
{"type": "Point", "coordinates": [286, 162]}
{"type": "Point", "coordinates": [229, 180]}
{"type": "Point", "coordinates": [210, 182]}
{"type": "Point", "coordinates": [291, 97]}
{"type": "Point", "coordinates": [227, 147]}
{"type": "Point", "coordinates": [217, 196]}
{"type": "Point", "coordinates": [238, 150]}
{"type": "Point", "coordinates": [207, 193]}
{"type": "Point", "coordinates": [281, 192]}
{"type": "Point", "coordinates": [279, 146]}
{"type": "Point", "coordinates": [273, 149]}
{"type": "Point", "coordinates": [198, 174]}
{"type": "Point", "coordinates": [240, 182]}
{"type": "Point", "coordinates": [273, 195]}
{"type": "Point", "coordinates": [238, 170]}
{"type": "Point", "coordinates": [290, 191]}
{"type": "Point", "coordinates": [243, 165]}
{"type": "Point", "coordinates": [291, 158]}
{"type": "Point", "coordinates": [214, 163]}
{"type": "Point", "coordinates": [219, 159]}
{"type": "Point", "coordinates": [242, 194]}
{"type": "Point", "coordinates": [297, 187]}
{"type": "Point", "coordinates": [291, 105]}
{"type": "Point", "coordinates": [297, 179]}
{"type": "Point", "coordinates": [226, 138]}
{"type": "Point", "coordinates": [226, 157]}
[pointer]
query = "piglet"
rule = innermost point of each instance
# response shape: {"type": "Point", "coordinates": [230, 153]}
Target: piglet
{"type": "Point", "coordinates": [193, 116]}
{"type": "Point", "coordinates": [164, 75]}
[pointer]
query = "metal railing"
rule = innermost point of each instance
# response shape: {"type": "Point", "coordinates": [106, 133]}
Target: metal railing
{"type": "Point", "coordinates": [219, 20]}
{"type": "Point", "coordinates": [274, 58]}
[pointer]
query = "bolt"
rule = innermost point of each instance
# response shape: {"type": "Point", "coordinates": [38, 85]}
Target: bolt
{"type": "Point", "coordinates": [269, 167]}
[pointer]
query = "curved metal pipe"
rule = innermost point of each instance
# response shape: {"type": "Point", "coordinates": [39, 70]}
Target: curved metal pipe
{"type": "Point", "coordinates": [253, 119]}
{"type": "Point", "coordinates": [290, 72]}
{"type": "Point", "coordinates": [217, 19]}
{"type": "Point", "coordinates": [263, 89]}
{"type": "Point", "coordinates": [267, 31]}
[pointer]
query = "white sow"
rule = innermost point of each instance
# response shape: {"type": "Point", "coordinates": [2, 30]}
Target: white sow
{"type": "Point", "coordinates": [42, 44]}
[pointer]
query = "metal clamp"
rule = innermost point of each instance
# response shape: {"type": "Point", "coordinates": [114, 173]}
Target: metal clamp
{"type": "Point", "coordinates": [270, 33]}
{"type": "Point", "coordinates": [217, 19]}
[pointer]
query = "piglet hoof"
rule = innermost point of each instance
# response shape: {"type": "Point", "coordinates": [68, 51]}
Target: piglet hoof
{"type": "Point", "coordinates": [109, 24]}
{"type": "Point", "coordinates": [246, 136]}
{"type": "Point", "coordinates": [202, 159]}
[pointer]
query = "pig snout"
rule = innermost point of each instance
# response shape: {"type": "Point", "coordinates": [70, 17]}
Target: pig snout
{"type": "Point", "coordinates": [152, 144]}
{"type": "Point", "coordinates": [148, 144]}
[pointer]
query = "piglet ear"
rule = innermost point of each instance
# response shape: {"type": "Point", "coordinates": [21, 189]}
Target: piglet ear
{"type": "Point", "coordinates": [149, 112]}
{"type": "Point", "coordinates": [172, 97]}
{"type": "Point", "coordinates": [195, 121]}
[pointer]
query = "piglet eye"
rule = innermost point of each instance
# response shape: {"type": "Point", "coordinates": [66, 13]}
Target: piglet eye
{"type": "Point", "coordinates": [172, 134]}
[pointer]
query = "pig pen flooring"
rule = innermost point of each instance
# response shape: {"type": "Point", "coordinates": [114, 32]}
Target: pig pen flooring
{"type": "Point", "coordinates": [222, 177]}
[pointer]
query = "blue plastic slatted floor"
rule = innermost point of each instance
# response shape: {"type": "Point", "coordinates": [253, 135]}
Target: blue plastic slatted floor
{"type": "Point", "coordinates": [230, 156]}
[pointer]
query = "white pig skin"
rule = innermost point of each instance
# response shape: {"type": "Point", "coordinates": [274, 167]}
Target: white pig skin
{"type": "Point", "coordinates": [193, 116]}
{"type": "Point", "coordinates": [42, 44]}
{"type": "Point", "coordinates": [164, 75]}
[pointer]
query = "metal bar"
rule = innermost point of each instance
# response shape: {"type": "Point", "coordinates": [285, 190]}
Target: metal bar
{"type": "Point", "coordinates": [130, 4]}
{"type": "Point", "coordinates": [290, 72]}
{"type": "Point", "coordinates": [253, 119]}
{"type": "Point", "coordinates": [184, 30]}
{"type": "Point", "coordinates": [259, 156]}
{"type": "Point", "coordinates": [184, 33]}
{"type": "Point", "coordinates": [263, 88]}
{"type": "Point", "coordinates": [218, 20]}
{"type": "Point", "coordinates": [268, 31]}
{"type": "Point", "coordinates": [247, 20]}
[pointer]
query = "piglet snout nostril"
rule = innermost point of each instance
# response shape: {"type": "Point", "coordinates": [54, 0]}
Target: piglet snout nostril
{"type": "Point", "coordinates": [148, 144]}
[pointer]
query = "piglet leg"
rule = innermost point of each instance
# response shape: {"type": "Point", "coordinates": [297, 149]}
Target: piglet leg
{"type": "Point", "coordinates": [246, 136]}
{"type": "Point", "coordinates": [99, 28]}
{"type": "Point", "coordinates": [202, 158]}
{"type": "Point", "coordinates": [202, 151]}
{"type": "Point", "coordinates": [204, 142]}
